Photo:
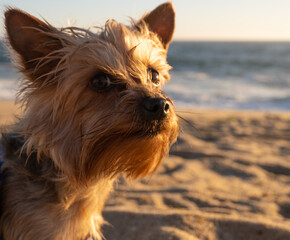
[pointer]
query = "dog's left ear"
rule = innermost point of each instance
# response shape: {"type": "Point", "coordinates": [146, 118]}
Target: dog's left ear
{"type": "Point", "coordinates": [162, 21]}
{"type": "Point", "coordinates": [32, 39]}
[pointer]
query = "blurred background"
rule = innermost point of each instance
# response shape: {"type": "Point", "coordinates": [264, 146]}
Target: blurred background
{"type": "Point", "coordinates": [225, 54]}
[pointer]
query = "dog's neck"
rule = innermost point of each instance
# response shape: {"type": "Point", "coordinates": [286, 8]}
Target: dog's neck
{"type": "Point", "coordinates": [74, 209]}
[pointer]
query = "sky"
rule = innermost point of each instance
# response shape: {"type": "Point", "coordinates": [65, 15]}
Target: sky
{"type": "Point", "coordinates": [210, 20]}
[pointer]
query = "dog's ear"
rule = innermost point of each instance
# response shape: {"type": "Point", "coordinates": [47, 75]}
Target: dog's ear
{"type": "Point", "coordinates": [162, 21]}
{"type": "Point", "coordinates": [31, 38]}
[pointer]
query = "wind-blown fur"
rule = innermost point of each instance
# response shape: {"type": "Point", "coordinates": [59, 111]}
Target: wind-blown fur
{"type": "Point", "coordinates": [63, 155]}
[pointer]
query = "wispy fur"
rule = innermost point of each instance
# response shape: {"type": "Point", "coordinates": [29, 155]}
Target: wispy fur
{"type": "Point", "coordinates": [63, 155]}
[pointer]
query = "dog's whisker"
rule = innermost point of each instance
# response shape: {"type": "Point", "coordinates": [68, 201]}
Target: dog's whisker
{"type": "Point", "coordinates": [189, 112]}
{"type": "Point", "coordinates": [191, 124]}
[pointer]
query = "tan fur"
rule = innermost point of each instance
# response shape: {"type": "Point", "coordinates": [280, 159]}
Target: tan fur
{"type": "Point", "coordinates": [76, 141]}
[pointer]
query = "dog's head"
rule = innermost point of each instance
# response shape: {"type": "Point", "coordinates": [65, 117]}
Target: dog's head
{"type": "Point", "coordinates": [94, 101]}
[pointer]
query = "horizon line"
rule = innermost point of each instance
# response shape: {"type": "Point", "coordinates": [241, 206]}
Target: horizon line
{"type": "Point", "coordinates": [229, 40]}
{"type": "Point", "coordinates": [3, 38]}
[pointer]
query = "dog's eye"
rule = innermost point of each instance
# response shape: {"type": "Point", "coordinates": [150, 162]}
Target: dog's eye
{"type": "Point", "coordinates": [153, 76]}
{"type": "Point", "coordinates": [100, 82]}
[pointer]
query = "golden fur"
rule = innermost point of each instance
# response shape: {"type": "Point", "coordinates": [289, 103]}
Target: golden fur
{"type": "Point", "coordinates": [64, 153]}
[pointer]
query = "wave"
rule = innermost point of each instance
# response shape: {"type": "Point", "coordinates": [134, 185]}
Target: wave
{"type": "Point", "coordinates": [213, 75]}
{"type": "Point", "coordinates": [3, 54]}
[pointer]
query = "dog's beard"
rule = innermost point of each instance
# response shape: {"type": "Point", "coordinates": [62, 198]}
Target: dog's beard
{"type": "Point", "coordinates": [130, 144]}
{"type": "Point", "coordinates": [135, 156]}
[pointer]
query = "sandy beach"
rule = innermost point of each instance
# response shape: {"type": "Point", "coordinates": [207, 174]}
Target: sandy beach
{"type": "Point", "coordinates": [227, 178]}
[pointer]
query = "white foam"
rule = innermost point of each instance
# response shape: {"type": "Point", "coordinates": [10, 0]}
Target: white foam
{"type": "Point", "coordinates": [8, 89]}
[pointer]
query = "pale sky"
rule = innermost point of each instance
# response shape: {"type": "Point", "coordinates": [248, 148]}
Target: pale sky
{"type": "Point", "coordinates": [262, 20]}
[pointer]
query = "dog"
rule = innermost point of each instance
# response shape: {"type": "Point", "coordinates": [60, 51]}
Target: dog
{"type": "Point", "coordinates": [93, 109]}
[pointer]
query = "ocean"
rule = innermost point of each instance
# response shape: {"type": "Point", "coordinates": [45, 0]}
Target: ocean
{"type": "Point", "coordinates": [213, 75]}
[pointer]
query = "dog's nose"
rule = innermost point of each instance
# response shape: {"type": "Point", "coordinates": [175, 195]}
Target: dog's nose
{"type": "Point", "coordinates": [155, 108]}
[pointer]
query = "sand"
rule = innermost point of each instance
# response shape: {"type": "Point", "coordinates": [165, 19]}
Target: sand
{"type": "Point", "coordinates": [227, 178]}
{"type": "Point", "coordinates": [8, 111]}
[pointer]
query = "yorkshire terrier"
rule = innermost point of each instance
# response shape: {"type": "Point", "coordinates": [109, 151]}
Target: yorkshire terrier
{"type": "Point", "coordinates": [93, 108]}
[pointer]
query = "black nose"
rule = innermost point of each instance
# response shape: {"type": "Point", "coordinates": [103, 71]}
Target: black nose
{"type": "Point", "coordinates": [155, 108]}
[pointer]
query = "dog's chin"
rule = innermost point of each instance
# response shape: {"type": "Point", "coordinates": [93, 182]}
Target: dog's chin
{"type": "Point", "coordinates": [135, 154]}
{"type": "Point", "coordinates": [148, 132]}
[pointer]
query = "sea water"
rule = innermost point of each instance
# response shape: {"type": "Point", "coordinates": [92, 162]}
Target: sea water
{"type": "Point", "coordinates": [216, 75]}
